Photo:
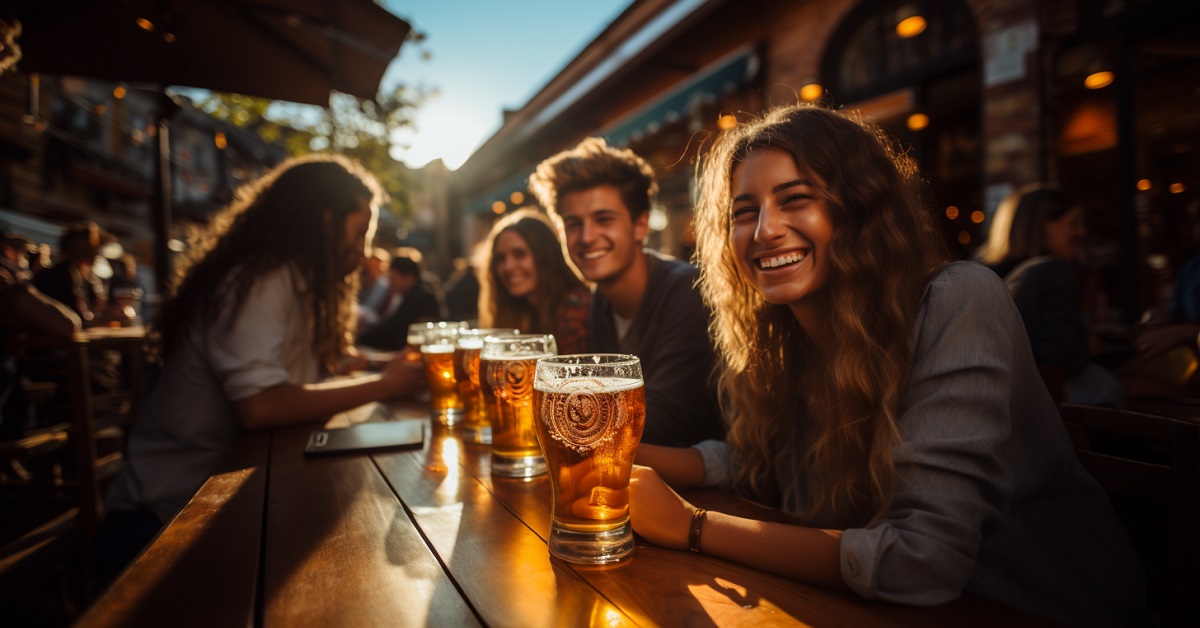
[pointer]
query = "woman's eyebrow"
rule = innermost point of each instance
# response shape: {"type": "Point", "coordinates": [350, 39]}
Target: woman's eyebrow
{"type": "Point", "coordinates": [791, 184]}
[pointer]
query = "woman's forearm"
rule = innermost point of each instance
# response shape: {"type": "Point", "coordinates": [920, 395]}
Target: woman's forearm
{"type": "Point", "coordinates": [806, 554]}
{"type": "Point", "coordinates": [681, 467]}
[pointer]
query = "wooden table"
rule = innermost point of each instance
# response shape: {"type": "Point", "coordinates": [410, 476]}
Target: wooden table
{"type": "Point", "coordinates": [429, 537]}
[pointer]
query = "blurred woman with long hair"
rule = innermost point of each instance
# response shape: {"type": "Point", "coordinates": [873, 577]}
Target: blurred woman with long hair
{"type": "Point", "coordinates": [262, 314]}
{"type": "Point", "coordinates": [884, 398]}
{"type": "Point", "coordinates": [528, 284]}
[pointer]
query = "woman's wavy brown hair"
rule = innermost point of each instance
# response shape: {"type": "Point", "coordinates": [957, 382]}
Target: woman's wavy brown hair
{"type": "Point", "coordinates": [555, 277]}
{"type": "Point", "coordinates": [819, 420]}
{"type": "Point", "coordinates": [294, 216]}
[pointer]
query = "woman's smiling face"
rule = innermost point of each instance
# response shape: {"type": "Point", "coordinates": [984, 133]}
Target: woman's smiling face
{"type": "Point", "coordinates": [780, 229]}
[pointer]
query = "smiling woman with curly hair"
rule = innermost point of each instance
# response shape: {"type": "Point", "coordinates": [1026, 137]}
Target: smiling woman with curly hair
{"type": "Point", "coordinates": [884, 398]}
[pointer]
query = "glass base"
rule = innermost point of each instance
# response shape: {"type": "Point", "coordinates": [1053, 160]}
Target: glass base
{"type": "Point", "coordinates": [481, 435]}
{"type": "Point", "coordinates": [591, 548]}
{"type": "Point", "coordinates": [523, 467]}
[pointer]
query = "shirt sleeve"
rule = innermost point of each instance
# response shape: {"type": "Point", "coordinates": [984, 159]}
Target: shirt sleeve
{"type": "Point", "coordinates": [715, 454]}
{"type": "Point", "coordinates": [247, 352]}
{"type": "Point", "coordinates": [951, 488]}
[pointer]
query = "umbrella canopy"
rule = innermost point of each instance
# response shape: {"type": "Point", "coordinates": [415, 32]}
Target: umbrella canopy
{"type": "Point", "coordinates": [294, 50]}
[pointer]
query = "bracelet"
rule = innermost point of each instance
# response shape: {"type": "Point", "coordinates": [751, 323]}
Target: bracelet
{"type": "Point", "coordinates": [694, 534]}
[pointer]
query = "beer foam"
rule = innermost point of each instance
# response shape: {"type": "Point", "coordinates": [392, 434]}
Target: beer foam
{"type": "Point", "coordinates": [595, 385]}
{"type": "Point", "coordinates": [468, 342]}
{"type": "Point", "coordinates": [438, 348]}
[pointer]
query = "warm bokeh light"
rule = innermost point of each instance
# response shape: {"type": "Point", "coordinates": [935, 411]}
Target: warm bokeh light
{"type": "Point", "coordinates": [964, 237]}
{"type": "Point", "coordinates": [169, 38]}
{"type": "Point", "coordinates": [517, 197]}
{"type": "Point", "coordinates": [918, 121]}
{"type": "Point", "coordinates": [952, 212]}
{"type": "Point", "coordinates": [811, 92]}
{"type": "Point", "coordinates": [119, 92]}
{"type": "Point", "coordinates": [1143, 184]}
{"type": "Point", "coordinates": [220, 140]}
{"type": "Point", "coordinates": [1098, 80]}
{"type": "Point", "coordinates": [726, 122]}
{"type": "Point", "coordinates": [977, 216]}
{"type": "Point", "coordinates": [101, 110]}
{"type": "Point", "coordinates": [911, 26]}
{"type": "Point", "coordinates": [498, 207]}
{"type": "Point", "coordinates": [1177, 188]}
{"type": "Point", "coordinates": [145, 24]}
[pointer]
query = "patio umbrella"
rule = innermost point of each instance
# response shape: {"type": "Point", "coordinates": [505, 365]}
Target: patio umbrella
{"type": "Point", "coordinates": [294, 50]}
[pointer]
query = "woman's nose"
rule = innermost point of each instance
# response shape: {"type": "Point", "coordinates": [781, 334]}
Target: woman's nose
{"type": "Point", "coordinates": [770, 223]}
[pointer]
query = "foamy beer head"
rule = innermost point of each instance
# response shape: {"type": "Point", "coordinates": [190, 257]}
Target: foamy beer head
{"type": "Point", "coordinates": [590, 411]}
{"type": "Point", "coordinates": [506, 368]}
{"type": "Point", "coordinates": [418, 331]}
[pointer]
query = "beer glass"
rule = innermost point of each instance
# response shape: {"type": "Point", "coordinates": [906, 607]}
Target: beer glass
{"type": "Point", "coordinates": [417, 331]}
{"type": "Point", "coordinates": [590, 411]}
{"type": "Point", "coordinates": [506, 366]}
{"type": "Point", "coordinates": [437, 349]}
{"type": "Point", "coordinates": [476, 428]}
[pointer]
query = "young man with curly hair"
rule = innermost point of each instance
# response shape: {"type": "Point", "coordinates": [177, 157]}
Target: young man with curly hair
{"type": "Point", "coordinates": [645, 303]}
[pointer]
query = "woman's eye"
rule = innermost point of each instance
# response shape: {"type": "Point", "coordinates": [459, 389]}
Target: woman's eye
{"type": "Point", "coordinates": [743, 212]}
{"type": "Point", "coordinates": [796, 198]}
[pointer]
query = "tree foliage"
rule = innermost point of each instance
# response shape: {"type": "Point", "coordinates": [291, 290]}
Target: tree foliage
{"type": "Point", "coordinates": [370, 131]}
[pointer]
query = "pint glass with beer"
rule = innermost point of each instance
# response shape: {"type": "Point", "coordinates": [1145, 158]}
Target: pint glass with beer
{"type": "Point", "coordinates": [590, 411]}
{"type": "Point", "coordinates": [476, 428]}
{"type": "Point", "coordinates": [506, 367]}
{"type": "Point", "coordinates": [437, 350]}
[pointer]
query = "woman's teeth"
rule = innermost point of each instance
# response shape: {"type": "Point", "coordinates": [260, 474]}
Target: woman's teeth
{"type": "Point", "coordinates": [780, 260]}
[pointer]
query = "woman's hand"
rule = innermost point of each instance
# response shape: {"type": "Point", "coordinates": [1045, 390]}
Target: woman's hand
{"type": "Point", "coordinates": [657, 513]}
{"type": "Point", "coordinates": [404, 374]}
{"type": "Point", "coordinates": [1159, 339]}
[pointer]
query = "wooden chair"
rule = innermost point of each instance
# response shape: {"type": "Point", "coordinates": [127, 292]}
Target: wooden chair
{"type": "Point", "coordinates": [73, 453]}
{"type": "Point", "coordinates": [1150, 467]}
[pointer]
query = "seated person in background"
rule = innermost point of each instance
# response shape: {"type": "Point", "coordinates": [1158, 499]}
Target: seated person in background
{"type": "Point", "coordinates": [1037, 236]}
{"type": "Point", "coordinates": [530, 286]}
{"type": "Point", "coordinates": [462, 286]}
{"type": "Point", "coordinates": [260, 317]}
{"type": "Point", "coordinates": [406, 302]}
{"type": "Point", "coordinates": [645, 303]}
{"type": "Point", "coordinates": [429, 281]}
{"type": "Point", "coordinates": [23, 309]}
{"type": "Point", "coordinates": [885, 399]}
{"type": "Point", "coordinates": [72, 280]}
{"type": "Point", "coordinates": [373, 286]}
{"type": "Point", "coordinates": [15, 252]}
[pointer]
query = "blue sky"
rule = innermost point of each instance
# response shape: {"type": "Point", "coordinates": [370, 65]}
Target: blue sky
{"type": "Point", "coordinates": [486, 57]}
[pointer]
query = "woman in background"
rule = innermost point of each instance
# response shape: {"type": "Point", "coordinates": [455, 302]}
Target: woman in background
{"type": "Point", "coordinates": [1035, 242]}
{"type": "Point", "coordinates": [884, 398]}
{"type": "Point", "coordinates": [528, 284]}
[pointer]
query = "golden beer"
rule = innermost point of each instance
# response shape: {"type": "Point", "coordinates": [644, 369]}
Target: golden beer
{"type": "Point", "coordinates": [443, 387]}
{"type": "Point", "coordinates": [476, 427]}
{"type": "Point", "coordinates": [508, 390]}
{"type": "Point", "coordinates": [506, 370]}
{"type": "Point", "coordinates": [590, 411]}
{"type": "Point", "coordinates": [589, 431]}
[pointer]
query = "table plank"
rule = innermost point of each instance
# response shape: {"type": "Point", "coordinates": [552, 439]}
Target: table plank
{"type": "Point", "coordinates": [209, 552]}
{"type": "Point", "coordinates": [341, 550]}
{"type": "Point", "coordinates": [499, 563]}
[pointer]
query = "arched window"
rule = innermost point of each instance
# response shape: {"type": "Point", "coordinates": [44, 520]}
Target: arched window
{"type": "Point", "coordinates": [867, 56]}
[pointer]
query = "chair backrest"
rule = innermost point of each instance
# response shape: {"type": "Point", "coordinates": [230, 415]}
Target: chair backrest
{"type": "Point", "coordinates": [1150, 468]}
{"type": "Point", "coordinates": [96, 420]}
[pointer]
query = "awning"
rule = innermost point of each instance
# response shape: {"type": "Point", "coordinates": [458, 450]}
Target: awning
{"type": "Point", "coordinates": [723, 76]}
{"type": "Point", "coordinates": [735, 70]}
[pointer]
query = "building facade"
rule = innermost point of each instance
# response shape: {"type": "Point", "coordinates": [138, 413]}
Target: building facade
{"type": "Point", "coordinates": [1101, 97]}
